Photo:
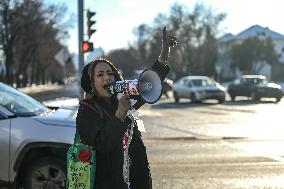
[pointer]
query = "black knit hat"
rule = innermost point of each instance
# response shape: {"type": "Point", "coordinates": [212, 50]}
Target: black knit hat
{"type": "Point", "coordinates": [85, 79]}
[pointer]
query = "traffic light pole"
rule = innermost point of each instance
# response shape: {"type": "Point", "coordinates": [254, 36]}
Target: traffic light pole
{"type": "Point", "coordinates": [80, 40]}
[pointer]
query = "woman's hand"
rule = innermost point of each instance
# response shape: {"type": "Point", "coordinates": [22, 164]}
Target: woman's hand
{"type": "Point", "coordinates": [167, 43]}
{"type": "Point", "coordinates": [124, 105]}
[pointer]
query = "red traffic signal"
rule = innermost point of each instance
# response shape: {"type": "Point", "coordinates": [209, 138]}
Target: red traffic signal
{"type": "Point", "coordinates": [90, 23]}
{"type": "Point", "coordinates": [87, 46]}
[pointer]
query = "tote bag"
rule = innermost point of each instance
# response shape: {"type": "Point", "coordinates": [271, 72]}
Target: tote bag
{"type": "Point", "coordinates": [81, 165]}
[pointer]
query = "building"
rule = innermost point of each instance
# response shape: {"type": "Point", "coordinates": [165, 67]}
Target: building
{"type": "Point", "coordinates": [227, 40]}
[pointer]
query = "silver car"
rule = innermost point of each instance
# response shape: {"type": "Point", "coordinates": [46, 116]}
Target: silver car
{"type": "Point", "coordinates": [198, 88]}
{"type": "Point", "coordinates": [34, 140]}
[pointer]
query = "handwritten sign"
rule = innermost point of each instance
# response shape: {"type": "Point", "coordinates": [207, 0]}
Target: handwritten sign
{"type": "Point", "coordinates": [81, 167]}
{"type": "Point", "coordinates": [79, 174]}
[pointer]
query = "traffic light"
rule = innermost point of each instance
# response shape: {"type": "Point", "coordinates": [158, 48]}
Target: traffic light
{"type": "Point", "coordinates": [87, 46]}
{"type": "Point", "coordinates": [90, 23]}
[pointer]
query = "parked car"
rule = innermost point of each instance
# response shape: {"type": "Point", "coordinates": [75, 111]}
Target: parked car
{"type": "Point", "coordinates": [256, 87]}
{"type": "Point", "coordinates": [198, 88]}
{"type": "Point", "coordinates": [34, 140]}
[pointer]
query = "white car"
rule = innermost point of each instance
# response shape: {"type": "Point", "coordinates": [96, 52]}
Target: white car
{"type": "Point", "coordinates": [33, 141]}
{"type": "Point", "coordinates": [198, 88]}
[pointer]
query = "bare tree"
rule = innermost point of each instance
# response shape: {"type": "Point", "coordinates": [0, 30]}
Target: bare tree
{"type": "Point", "coordinates": [251, 52]}
{"type": "Point", "coordinates": [8, 31]}
{"type": "Point", "coordinates": [125, 60]}
{"type": "Point", "coordinates": [32, 34]}
{"type": "Point", "coordinates": [196, 32]}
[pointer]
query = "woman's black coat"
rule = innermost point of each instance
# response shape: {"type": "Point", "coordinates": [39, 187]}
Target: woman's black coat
{"type": "Point", "coordinates": [100, 128]}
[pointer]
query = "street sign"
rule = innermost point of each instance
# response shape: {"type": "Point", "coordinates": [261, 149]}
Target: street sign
{"type": "Point", "coordinates": [62, 56]}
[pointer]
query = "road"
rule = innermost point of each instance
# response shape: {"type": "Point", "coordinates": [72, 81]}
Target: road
{"type": "Point", "coordinates": [211, 146]}
{"type": "Point", "coordinates": [242, 119]}
{"type": "Point", "coordinates": [230, 145]}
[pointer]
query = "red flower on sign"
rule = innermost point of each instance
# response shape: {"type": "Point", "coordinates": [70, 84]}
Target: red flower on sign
{"type": "Point", "coordinates": [85, 155]}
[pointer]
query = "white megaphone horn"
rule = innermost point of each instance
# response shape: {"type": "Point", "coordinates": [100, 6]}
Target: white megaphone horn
{"type": "Point", "coordinates": [148, 86]}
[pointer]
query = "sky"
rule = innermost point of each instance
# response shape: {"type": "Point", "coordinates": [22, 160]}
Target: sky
{"type": "Point", "coordinates": [116, 19]}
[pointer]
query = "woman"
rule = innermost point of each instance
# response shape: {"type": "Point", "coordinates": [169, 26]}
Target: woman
{"type": "Point", "coordinates": [102, 122]}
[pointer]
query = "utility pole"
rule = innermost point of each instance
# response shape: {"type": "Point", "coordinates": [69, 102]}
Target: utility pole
{"type": "Point", "coordinates": [80, 39]}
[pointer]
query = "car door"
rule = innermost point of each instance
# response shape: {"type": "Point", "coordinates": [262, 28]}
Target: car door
{"type": "Point", "coordinates": [5, 128]}
{"type": "Point", "coordinates": [240, 87]}
{"type": "Point", "coordinates": [186, 88]}
{"type": "Point", "coordinates": [246, 86]}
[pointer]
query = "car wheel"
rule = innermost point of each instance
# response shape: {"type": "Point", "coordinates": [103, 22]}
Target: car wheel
{"type": "Point", "coordinates": [278, 99]}
{"type": "Point", "coordinates": [176, 97]}
{"type": "Point", "coordinates": [255, 97]}
{"type": "Point", "coordinates": [233, 97]}
{"type": "Point", "coordinates": [221, 100]}
{"type": "Point", "coordinates": [45, 173]}
{"type": "Point", "coordinates": [193, 98]}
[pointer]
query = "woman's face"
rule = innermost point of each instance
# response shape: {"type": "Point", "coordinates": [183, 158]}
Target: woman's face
{"type": "Point", "coordinates": [103, 75]}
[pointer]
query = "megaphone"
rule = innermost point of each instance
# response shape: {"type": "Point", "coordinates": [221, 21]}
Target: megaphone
{"type": "Point", "coordinates": [148, 86]}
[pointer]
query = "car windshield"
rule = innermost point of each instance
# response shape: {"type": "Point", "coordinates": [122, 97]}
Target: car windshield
{"type": "Point", "coordinates": [19, 103]}
{"type": "Point", "coordinates": [203, 82]}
